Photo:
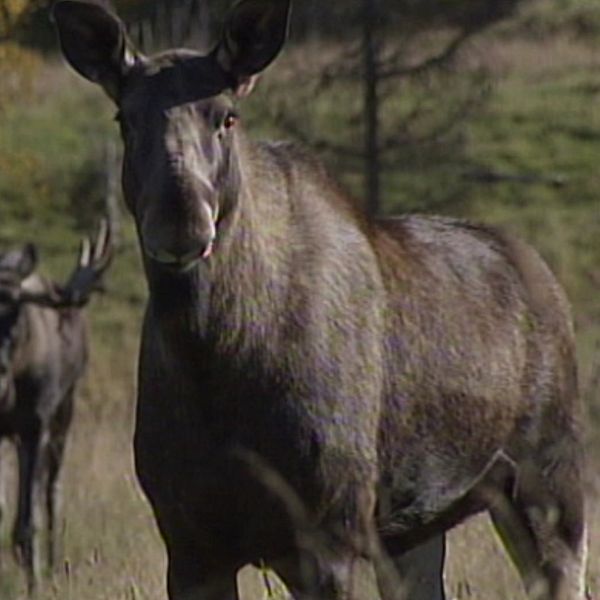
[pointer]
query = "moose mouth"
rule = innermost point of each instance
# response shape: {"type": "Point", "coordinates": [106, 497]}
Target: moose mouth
{"type": "Point", "coordinates": [181, 263]}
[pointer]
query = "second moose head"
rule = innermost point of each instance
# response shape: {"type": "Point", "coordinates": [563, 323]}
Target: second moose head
{"type": "Point", "coordinates": [177, 117]}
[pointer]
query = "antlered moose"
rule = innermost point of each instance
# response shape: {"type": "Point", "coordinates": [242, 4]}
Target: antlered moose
{"type": "Point", "coordinates": [318, 390]}
{"type": "Point", "coordinates": [43, 354]}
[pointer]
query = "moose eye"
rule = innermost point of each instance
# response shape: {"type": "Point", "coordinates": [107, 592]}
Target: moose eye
{"type": "Point", "coordinates": [230, 120]}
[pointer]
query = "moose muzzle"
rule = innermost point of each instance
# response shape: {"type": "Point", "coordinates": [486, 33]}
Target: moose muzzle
{"type": "Point", "coordinates": [181, 245]}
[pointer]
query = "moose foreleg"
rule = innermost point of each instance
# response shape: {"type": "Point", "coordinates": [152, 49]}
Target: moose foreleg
{"type": "Point", "coordinates": [542, 526]}
{"type": "Point", "coordinates": [32, 484]}
{"type": "Point", "coordinates": [345, 577]}
{"type": "Point", "coordinates": [419, 573]}
{"type": "Point", "coordinates": [2, 489]}
{"type": "Point", "coordinates": [189, 578]}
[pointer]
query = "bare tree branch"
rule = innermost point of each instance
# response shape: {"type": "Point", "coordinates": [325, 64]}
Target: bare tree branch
{"type": "Point", "coordinates": [492, 176]}
{"type": "Point", "coordinates": [436, 61]}
{"type": "Point", "coordinates": [318, 142]}
{"type": "Point", "coordinates": [344, 67]}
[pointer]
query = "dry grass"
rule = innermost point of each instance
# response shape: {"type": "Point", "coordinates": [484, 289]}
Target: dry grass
{"type": "Point", "coordinates": [113, 551]}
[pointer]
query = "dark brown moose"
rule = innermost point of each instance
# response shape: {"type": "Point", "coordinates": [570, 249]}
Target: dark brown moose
{"type": "Point", "coordinates": [317, 390]}
{"type": "Point", "coordinates": [43, 354]}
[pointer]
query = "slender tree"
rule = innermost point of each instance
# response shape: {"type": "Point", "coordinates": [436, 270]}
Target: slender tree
{"type": "Point", "coordinates": [371, 105]}
{"type": "Point", "coordinates": [400, 58]}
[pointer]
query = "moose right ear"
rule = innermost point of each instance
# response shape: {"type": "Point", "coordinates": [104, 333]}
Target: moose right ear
{"type": "Point", "coordinates": [28, 260]}
{"type": "Point", "coordinates": [94, 43]}
{"type": "Point", "coordinates": [254, 35]}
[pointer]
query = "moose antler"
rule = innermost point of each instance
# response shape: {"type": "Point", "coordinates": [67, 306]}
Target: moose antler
{"type": "Point", "coordinates": [94, 258]}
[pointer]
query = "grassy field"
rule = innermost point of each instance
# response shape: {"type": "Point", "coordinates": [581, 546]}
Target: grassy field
{"type": "Point", "coordinates": [543, 118]}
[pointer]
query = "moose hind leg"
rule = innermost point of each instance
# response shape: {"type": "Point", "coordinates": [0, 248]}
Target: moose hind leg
{"type": "Point", "coordinates": [540, 519]}
{"type": "Point", "coordinates": [53, 503]}
{"type": "Point", "coordinates": [56, 448]}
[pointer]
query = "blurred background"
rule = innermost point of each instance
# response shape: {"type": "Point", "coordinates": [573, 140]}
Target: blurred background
{"type": "Point", "coordinates": [486, 109]}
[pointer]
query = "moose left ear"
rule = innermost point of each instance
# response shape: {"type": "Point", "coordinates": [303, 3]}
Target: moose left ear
{"type": "Point", "coordinates": [254, 35]}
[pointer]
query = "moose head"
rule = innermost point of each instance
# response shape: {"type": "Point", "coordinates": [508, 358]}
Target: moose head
{"type": "Point", "coordinates": [16, 267]}
{"type": "Point", "coordinates": [178, 119]}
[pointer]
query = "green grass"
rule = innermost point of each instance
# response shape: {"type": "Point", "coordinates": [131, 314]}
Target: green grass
{"type": "Point", "coordinates": [548, 125]}
{"type": "Point", "coordinates": [551, 17]}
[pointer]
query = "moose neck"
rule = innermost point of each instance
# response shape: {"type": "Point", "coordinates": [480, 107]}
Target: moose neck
{"type": "Point", "coordinates": [230, 297]}
{"type": "Point", "coordinates": [23, 338]}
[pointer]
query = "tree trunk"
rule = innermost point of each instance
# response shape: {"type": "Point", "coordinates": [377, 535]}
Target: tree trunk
{"type": "Point", "coordinates": [201, 26]}
{"type": "Point", "coordinates": [112, 191]}
{"type": "Point", "coordinates": [371, 108]}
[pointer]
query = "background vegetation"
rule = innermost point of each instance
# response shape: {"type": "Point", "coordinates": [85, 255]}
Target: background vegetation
{"type": "Point", "coordinates": [506, 129]}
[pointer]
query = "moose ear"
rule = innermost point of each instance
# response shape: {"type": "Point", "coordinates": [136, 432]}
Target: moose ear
{"type": "Point", "coordinates": [22, 262]}
{"type": "Point", "coordinates": [94, 43]}
{"type": "Point", "coordinates": [254, 35]}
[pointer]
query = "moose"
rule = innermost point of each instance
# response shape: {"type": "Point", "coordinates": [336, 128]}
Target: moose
{"type": "Point", "coordinates": [319, 390]}
{"type": "Point", "coordinates": [43, 355]}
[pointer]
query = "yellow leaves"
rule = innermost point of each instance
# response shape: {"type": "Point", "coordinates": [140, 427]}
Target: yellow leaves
{"type": "Point", "coordinates": [18, 162]}
{"type": "Point", "coordinates": [17, 65]}
{"type": "Point", "coordinates": [18, 68]}
{"type": "Point", "coordinates": [15, 7]}
{"type": "Point", "coordinates": [13, 12]}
